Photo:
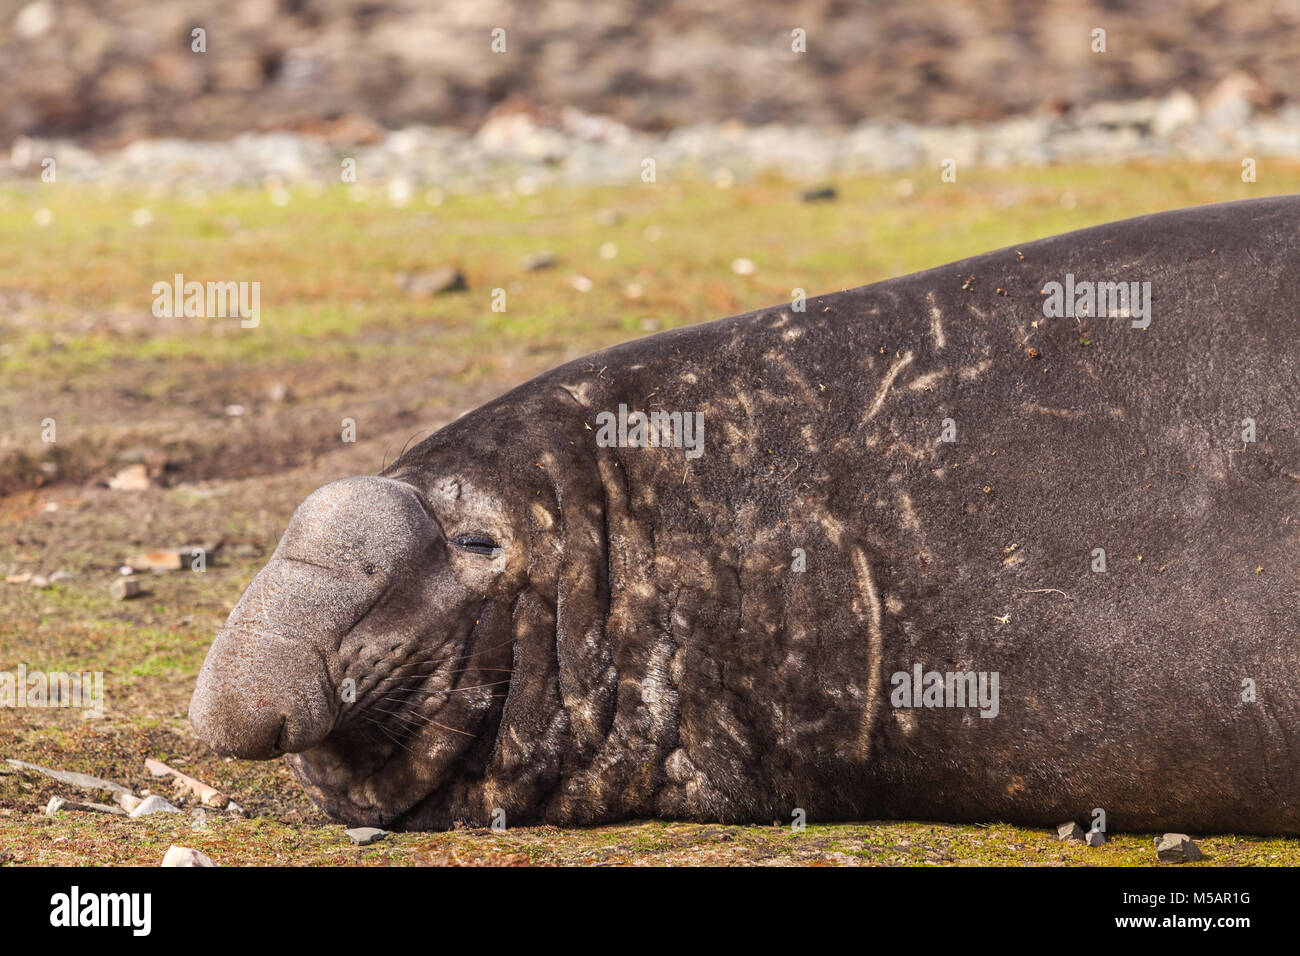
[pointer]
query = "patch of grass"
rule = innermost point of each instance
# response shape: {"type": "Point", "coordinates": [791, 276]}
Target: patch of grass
{"type": "Point", "coordinates": [327, 265]}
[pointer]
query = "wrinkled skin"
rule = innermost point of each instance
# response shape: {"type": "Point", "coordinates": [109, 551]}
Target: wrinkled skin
{"type": "Point", "coordinates": [636, 643]}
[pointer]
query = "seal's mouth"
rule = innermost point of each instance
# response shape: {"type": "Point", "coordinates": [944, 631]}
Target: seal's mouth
{"type": "Point", "coordinates": [290, 740]}
{"type": "Point", "coordinates": [394, 753]}
{"type": "Point", "coordinates": [255, 737]}
{"type": "Point", "coordinates": [284, 743]}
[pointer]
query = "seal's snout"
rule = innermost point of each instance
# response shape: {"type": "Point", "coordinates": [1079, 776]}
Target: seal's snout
{"type": "Point", "coordinates": [255, 705]}
{"type": "Point", "coordinates": [268, 685]}
{"type": "Point", "coordinates": [259, 735]}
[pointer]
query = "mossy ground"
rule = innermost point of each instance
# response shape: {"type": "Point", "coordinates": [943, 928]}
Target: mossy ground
{"type": "Point", "coordinates": [81, 345]}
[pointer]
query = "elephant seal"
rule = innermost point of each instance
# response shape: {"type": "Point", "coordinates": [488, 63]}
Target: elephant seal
{"type": "Point", "coordinates": [997, 541]}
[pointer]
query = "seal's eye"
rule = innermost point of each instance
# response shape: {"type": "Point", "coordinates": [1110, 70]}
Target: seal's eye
{"type": "Point", "coordinates": [476, 543]}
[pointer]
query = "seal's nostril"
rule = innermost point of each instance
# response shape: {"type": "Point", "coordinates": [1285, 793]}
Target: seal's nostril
{"type": "Point", "coordinates": [279, 746]}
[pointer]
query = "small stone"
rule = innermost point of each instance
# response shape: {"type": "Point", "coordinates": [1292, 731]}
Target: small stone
{"type": "Point", "coordinates": [538, 261]}
{"type": "Point", "coordinates": [153, 804]}
{"type": "Point", "coordinates": [435, 282]}
{"type": "Point", "coordinates": [81, 781]}
{"type": "Point", "coordinates": [235, 411]}
{"type": "Point", "coordinates": [209, 796]}
{"type": "Point", "coordinates": [184, 856]}
{"type": "Point", "coordinates": [1095, 838]}
{"type": "Point", "coordinates": [1177, 110]}
{"type": "Point", "coordinates": [1071, 832]}
{"type": "Point", "coordinates": [582, 283]}
{"type": "Point", "coordinates": [1177, 848]}
{"type": "Point", "coordinates": [161, 559]}
{"type": "Point", "coordinates": [130, 478]}
{"type": "Point", "coordinates": [399, 192]}
{"type": "Point", "coordinates": [34, 19]}
{"type": "Point", "coordinates": [364, 836]}
{"type": "Point", "coordinates": [58, 803]}
{"type": "Point", "coordinates": [743, 267]}
{"type": "Point", "coordinates": [128, 801]}
{"type": "Point", "coordinates": [172, 559]}
{"type": "Point", "coordinates": [821, 194]}
{"type": "Point", "coordinates": [1231, 102]}
{"type": "Point", "coordinates": [154, 459]}
{"type": "Point", "coordinates": [96, 808]}
{"type": "Point", "coordinates": [103, 808]}
{"type": "Point", "coordinates": [123, 589]}
{"type": "Point", "coordinates": [279, 392]}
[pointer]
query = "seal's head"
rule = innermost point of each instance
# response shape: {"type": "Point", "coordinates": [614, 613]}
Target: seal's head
{"type": "Point", "coordinates": [372, 635]}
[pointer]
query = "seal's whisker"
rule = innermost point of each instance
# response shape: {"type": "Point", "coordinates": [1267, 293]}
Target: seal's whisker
{"type": "Point", "coordinates": [414, 692]}
{"type": "Point", "coordinates": [452, 729]}
{"type": "Point", "coordinates": [369, 736]}
{"type": "Point", "coordinates": [426, 719]}
{"type": "Point", "coordinates": [412, 722]}
{"type": "Point", "coordinates": [459, 657]}
{"type": "Point", "coordinates": [384, 730]}
{"type": "Point", "coordinates": [424, 677]}
{"type": "Point", "coordinates": [408, 719]}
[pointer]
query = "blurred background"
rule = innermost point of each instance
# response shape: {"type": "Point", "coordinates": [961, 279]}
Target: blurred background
{"type": "Point", "coordinates": [116, 70]}
{"type": "Point", "coordinates": [437, 201]}
{"type": "Point", "coordinates": [583, 87]}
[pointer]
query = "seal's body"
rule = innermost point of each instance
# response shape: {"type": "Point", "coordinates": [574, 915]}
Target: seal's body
{"type": "Point", "coordinates": [1060, 525]}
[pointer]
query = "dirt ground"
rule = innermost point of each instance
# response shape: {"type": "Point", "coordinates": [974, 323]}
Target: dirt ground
{"type": "Point", "coordinates": [341, 338]}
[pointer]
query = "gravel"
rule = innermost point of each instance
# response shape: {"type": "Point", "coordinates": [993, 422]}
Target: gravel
{"type": "Point", "coordinates": [516, 152]}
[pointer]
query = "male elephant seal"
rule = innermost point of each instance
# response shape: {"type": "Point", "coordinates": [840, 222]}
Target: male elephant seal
{"type": "Point", "coordinates": [987, 542]}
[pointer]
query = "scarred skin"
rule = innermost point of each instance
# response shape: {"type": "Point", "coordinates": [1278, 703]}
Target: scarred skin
{"type": "Point", "coordinates": [640, 645]}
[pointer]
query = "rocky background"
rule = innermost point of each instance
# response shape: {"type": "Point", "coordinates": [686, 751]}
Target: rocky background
{"type": "Point", "coordinates": [105, 72]}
